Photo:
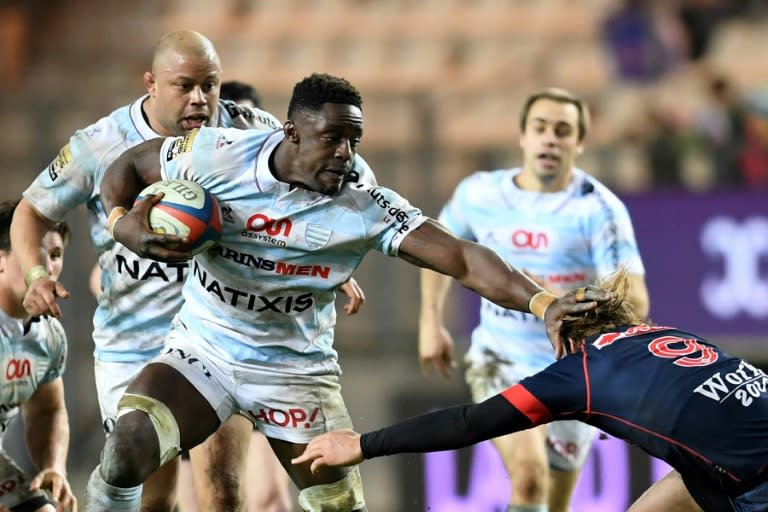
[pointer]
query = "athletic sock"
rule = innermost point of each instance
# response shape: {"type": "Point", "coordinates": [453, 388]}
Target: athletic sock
{"type": "Point", "coordinates": [102, 497]}
{"type": "Point", "coordinates": [527, 508]}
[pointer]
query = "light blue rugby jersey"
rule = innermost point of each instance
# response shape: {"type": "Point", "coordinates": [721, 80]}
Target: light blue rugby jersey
{"type": "Point", "coordinates": [265, 296]}
{"type": "Point", "coordinates": [567, 238]}
{"type": "Point", "coordinates": [33, 353]}
{"type": "Point", "coordinates": [140, 296]}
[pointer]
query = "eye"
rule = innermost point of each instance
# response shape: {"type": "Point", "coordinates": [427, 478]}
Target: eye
{"type": "Point", "coordinates": [354, 143]}
{"type": "Point", "coordinates": [563, 130]}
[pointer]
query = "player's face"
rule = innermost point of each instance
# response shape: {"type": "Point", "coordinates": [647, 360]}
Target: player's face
{"type": "Point", "coordinates": [54, 251]}
{"type": "Point", "coordinates": [550, 142]}
{"type": "Point", "coordinates": [185, 92]}
{"type": "Point", "coordinates": [328, 143]}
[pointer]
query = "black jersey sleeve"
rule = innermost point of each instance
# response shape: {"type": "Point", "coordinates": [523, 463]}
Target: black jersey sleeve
{"type": "Point", "coordinates": [446, 429]}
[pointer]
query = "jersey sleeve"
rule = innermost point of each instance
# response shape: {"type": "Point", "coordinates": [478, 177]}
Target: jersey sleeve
{"type": "Point", "coordinates": [388, 217]}
{"type": "Point", "coordinates": [558, 392]}
{"type": "Point", "coordinates": [452, 215]}
{"type": "Point", "coordinates": [446, 429]}
{"type": "Point", "coordinates": [68, 181]}
{"type": "Point", "coordinates": [56, 341]}
{"type": "Point", "coordinates": [613, 240]}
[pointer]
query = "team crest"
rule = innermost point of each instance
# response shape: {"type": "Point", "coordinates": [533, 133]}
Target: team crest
{"type": "Point", "coordinates": [317, 236]}
{"type": "Point", "coordinates": [61, 161]}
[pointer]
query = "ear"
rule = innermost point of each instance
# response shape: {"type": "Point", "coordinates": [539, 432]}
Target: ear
{"type": "Point", "coordinates": [149, 82]}
{"type": "Point", "coordinates": [3, 261]}
{"type": "Point", "coordinates": [291, 133]}
{"type": "Point", "coordinates": [580, 148]}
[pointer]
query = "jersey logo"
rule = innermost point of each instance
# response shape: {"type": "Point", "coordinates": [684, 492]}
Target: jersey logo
{"type": "Point", "coordinates": [525, 239]}
{"type": "Point", "coordinates": [317, 236]}
{"type": "Point", "coordinates": [182, 145]}
{"type": "Point", "coordinates": [18, 369]}
{"type": "Point", "coordinates": [739, 288]}
{"type": "Point", "coordinates": [61, 161]}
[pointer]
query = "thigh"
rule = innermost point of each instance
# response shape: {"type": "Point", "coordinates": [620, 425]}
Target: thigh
{"type": "Point", "coordinates": [524, 451]}
{"type": "Point", "coordinates": [669, 494]}
{"type": "Point", "coordinates": [112, 379]}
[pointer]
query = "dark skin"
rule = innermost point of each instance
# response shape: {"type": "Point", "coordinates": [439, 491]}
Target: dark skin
{"type": "Point", "coordinates": [318, 150]}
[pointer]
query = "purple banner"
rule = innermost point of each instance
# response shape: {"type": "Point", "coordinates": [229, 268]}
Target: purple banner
{"type": "Point", "coordinates": [706, 258]}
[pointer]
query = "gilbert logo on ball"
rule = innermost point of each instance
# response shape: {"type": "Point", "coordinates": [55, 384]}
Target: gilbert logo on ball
{"type": "Point", "coordinates": [188, 210]}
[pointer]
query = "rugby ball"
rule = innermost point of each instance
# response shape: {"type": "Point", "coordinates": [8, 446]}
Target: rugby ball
{"type": "Point", "coordinates": [187, 210]}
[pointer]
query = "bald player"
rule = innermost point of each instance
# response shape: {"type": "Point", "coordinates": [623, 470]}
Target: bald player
{"type": "Point", "coordinates": [139, 297]}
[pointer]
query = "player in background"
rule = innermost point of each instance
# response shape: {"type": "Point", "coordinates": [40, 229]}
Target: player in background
{"type": "Point", "coordinates": [34, 350]}
{"type": "Point", "coordinates": [139, 297]}
{"type": "Point", "coordinates": [258, 315]}
{"type": "Point", "coordinates": [668, 391]}
{"type": "Point", "coordinates": [241, 93]}
{"type": "Point", "coordinates": [564, 229]}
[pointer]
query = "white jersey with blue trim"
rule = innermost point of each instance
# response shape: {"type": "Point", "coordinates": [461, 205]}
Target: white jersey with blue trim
{"type": "Point", "coordinates": [33, 353]}
{"type": "Point", "coordinates": [265, 295]}
{"type": "Point", "coordinates": [139, 296]}
{"type": "Point", "coordinates": [567, 239]}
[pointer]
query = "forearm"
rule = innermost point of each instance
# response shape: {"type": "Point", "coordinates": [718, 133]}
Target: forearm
{"type": "Point", "coordinates": [446, 429]}
{"type": "Point", "coordinates": [48, 440]}
{"type": "Point", "coordinates": [496, 280]}
{"type": "Point", "coordinates": [434, 290]}
{"type": "Point", "coordinates": [27, 231]}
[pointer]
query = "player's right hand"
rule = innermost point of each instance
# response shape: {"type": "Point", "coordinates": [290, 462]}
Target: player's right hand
{"type": "Point", "coordinates": [41, 296]}
{"type": "Point", "coordinates": [435, 349]}
{"type": "Point", "coordinates": [58, 486]}
{"type": "Point", "coordinates": [133, 231]}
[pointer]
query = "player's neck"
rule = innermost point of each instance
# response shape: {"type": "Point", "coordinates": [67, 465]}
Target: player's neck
{"type": "Point", "coordinates": [531, 182]}
{"type": "Point", "coordinates": [151, 120]}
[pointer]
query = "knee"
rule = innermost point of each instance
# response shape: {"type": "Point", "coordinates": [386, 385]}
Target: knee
{"type": "Point", "coordinates": [126, 460]}
{"type": "Point", "coordinates": [530, 481]}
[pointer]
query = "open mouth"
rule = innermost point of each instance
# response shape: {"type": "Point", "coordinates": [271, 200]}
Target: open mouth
{"type": "Point", "coordinates": [194, 121]}
{"type": "Point", "coordinates": [548, 159]}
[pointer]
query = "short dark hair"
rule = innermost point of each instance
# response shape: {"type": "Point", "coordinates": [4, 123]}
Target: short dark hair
{"type": "Point", "coordinates": [560, 96]}
{"type": "Point", "coordinates": [6, 216]}
{"type": "Point", "coordinates": [316, 90]}
{"type": "Point", "coordinates": [62, 228]}
{"type": "Point", "coordinates": [238, 91]}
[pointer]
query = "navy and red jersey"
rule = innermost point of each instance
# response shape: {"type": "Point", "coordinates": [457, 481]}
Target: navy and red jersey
{"type": "Point", "coordinates": [670, 392]}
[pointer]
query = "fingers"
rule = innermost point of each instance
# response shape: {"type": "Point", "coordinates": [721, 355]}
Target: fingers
{"type": "Point", "coordinates": [41, 296]}
{"type": "Point", "coordinates": [356, 296]}
{"type": "Point", "coordinates": [581, 294]}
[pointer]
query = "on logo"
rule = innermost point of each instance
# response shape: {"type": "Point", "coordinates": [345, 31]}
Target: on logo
{"type": "Point", "coordinates": [524, 239]}
{"type": "Point", "coordinates": [18, 369]}
{"type": "Point", "coordinates": [740, 246]}
{"type": "Point", "coordinates": [260, 222]}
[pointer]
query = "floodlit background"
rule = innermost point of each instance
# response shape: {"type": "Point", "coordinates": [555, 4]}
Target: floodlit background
{"type": "Point", "coordinates": [678, 91]}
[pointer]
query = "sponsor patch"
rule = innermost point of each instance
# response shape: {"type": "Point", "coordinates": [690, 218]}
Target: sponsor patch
{"type": "Point", "coordinates": [181, 145]}
{"type": "Point", "coordinates": [61, 161]}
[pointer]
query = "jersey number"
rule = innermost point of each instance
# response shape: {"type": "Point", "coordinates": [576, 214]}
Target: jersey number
{"type": "Point", "coordinates": [672, 347]}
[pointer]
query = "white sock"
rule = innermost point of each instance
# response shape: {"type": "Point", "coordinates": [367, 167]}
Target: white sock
{"type": "Point", "coordinates": [102, 497]}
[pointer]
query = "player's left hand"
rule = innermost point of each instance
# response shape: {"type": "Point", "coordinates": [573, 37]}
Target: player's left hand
{"type": "Point", "coordinates": [58, 486]}
{"type": "Point", "coordinates": [572, 303]}
{"type": "Point", "coordinates": [355, 294]}
{"type": "Point", "coordinates": [333, 449]}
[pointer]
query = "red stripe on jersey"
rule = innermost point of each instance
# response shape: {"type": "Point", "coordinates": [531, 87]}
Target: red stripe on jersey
{"type": "Point", "coordinates": [526, 403]}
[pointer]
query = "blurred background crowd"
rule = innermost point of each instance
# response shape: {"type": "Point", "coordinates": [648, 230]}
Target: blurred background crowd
{"type": "Point", "coordinates": [678, 92]}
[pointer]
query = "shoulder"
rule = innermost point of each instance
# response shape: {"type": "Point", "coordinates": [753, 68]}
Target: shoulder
{"type": "Point", "coordinates": [591, 191]}
{"type": "Point", "coordinates": [480, 185]}
{"type": "Point", "coordinates": [240, 116]}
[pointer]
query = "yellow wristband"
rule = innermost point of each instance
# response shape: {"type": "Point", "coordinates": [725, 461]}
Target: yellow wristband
{"type": "Point", "coordinates": [34, 274]}
{"type": "Point", "coordinates": [539, 303]}
{"type": "Point", "coordinates": [117, 213]}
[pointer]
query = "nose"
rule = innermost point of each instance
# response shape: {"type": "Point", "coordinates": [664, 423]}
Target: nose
{"type": "Point", "coordinates": [197, 96]}
{"type": "Point", "coordinates": [344, 150]}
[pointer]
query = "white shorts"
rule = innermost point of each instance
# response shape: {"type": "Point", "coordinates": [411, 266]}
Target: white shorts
{"type": "Point", "coordinates": [294, 408]}
{"type": "Point", "coordinates": [14, 485]}
{"type": "Point", "coordinates": [568, 442]}
{"type": "Point", "coordinates": [112, 379]}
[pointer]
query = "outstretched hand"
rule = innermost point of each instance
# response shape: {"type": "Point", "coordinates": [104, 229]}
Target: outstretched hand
{"type": "Point", "coordinates": [58, 486]}
{"type": "Point", "coordinates": [133, 231]}
{"type": "Point", "coordinates": [333, 449]}
{"type": "Point", "coordinates": [572, 303]}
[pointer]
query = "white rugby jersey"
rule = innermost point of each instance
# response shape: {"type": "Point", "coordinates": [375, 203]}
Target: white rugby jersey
{"type": "Point", "coordinates": [140, 296]}
{"type": "Point", "coordinates": [567, 239]}
{"type": "Point", "coordinates": [265, 295]}
{"type": "Point", "coordinates": [31, 353]}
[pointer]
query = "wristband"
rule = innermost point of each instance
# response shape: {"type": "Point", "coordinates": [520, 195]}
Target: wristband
{"type": "Point", "coordinates": [117, 213]}
{"type": "Point", "coordinates": [34, 274]}
{"type": "Point", "coordinates": [539, 303]}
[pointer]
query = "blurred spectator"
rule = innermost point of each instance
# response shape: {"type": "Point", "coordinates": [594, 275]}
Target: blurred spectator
{"type": "Point", "coordinates": [700, 18]}
{"type": "Point", "coordinates": [755, 154]}
{"type": "Point", "coordinates": [720, 125]}
{"type": "Point", "coordinates": [645, 38]}
{"type": "Point", "coordinates": [665, 146]}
